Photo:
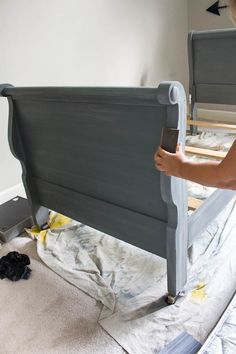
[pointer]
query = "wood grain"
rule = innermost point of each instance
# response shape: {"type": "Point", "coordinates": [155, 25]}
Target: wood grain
{"type": "Point", "coordinates": [194, 203]}
{"type": "Point", "coordinates": [219, 155]}
{"type": "Point", "coordinates": [211, 125]}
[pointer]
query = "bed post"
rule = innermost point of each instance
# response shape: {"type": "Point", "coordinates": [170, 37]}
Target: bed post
{"type": "Point", "coordinates": [174, 193]}
{"type": "Point", "coordinates": [39, 213]}
{"type": "Point", "coordinates": [192, 98]}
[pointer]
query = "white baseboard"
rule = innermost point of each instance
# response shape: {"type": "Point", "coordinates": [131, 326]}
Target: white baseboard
{"type": "Point", "coordinates": [10, 193]}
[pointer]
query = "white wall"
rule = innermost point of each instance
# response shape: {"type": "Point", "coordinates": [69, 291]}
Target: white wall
{"type": "Point", "coordinates": [200, 19]}
{"type": "Point", "coordinates": [96, 43]}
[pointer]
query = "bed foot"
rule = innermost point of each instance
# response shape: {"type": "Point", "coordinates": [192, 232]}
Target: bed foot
{"type": "Point", "coordinates": [171, 299]}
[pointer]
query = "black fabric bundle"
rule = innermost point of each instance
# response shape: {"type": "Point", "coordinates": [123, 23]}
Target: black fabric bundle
{"type": "Point", "coordinates": [14, 266]}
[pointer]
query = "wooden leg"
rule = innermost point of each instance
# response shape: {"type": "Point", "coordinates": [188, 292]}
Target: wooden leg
{"type": "Point", "coordinates": [176, 263]}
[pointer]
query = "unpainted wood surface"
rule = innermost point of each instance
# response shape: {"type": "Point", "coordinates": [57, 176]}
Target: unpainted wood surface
{"type": "Point", "coordinates": [194, 203]}
{"type": "Point", "coordinates": [212, 125]}
{"type": "Point", "coordinates": [219, 155]}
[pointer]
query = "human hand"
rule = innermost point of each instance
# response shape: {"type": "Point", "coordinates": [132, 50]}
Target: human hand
{"type": "Point", "coordinates": [169, 163]}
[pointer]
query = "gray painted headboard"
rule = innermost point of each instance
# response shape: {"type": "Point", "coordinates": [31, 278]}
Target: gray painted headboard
{"type": "Point", "coordinates": [88, 153]}
{"type": "Point", "coordinates": [212, 67]}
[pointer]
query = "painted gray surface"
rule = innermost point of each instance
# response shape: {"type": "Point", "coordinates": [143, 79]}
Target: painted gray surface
{"type": "Point", "coordinates": [208, 211]}
{"type": "Point", "coordinates": [212, 58]}
{"type": "Point", "coordinates": [183, 344]}
{"type": "Point", "coordinates": [88, 153]}
{"type": "Point", "coordinates": [212, 74]}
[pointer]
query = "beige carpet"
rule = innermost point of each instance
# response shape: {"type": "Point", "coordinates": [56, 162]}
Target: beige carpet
{"type": "Point", "coordinates": [45, 314]}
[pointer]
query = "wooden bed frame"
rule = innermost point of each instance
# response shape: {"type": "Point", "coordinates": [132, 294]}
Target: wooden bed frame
{"type": "Point", "coordinates": [88, 153]}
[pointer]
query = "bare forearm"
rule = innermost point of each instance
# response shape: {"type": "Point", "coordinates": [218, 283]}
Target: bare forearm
{"type": "Point", "coordinates": [206, 173]}
{"type": "Point", "coordinates": [212, 173]}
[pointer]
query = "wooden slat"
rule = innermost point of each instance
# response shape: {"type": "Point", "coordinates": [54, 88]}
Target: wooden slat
{"type": "Point", "coordinates": [219, 155]}
{"type": "Point", "coordinates": [194, 203]}
{"type": "Point", "coordinates": [211, 125]}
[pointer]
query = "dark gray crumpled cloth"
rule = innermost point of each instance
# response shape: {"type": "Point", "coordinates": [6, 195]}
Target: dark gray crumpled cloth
{"type": "Point", "coordinates": [13, 266]}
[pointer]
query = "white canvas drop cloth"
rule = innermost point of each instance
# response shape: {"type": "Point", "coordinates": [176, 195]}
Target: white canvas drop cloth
{"type": "Point", "coordinates": [131, 283]}
{"type": "Point", "coordinates": [223, 338]}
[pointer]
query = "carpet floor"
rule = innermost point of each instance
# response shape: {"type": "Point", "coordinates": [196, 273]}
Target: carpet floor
{"type": "Point", "coordinates": [47, 315]}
